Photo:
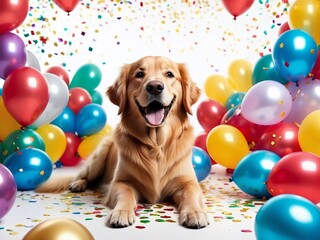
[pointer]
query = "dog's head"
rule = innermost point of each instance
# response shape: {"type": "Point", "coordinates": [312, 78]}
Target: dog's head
{"type": "Point", "coordinates": [152, 88]}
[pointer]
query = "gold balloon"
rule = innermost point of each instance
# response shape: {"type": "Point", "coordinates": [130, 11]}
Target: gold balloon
{"type": "Point", "coordinates": [8, 123]}
{"type": "Point", "coordinates": [240, 75]}
{"type": "Point", "coordinates": [309, 133]}
{"type": "Point", "coordinates": [217, 87]}
{"type": "Point", "coordinates": [305, 15]}
{"type": "Point", "coordinates": [59, 229]}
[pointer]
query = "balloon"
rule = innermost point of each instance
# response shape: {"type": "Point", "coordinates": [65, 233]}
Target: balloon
{"type": "Point", "coordinates": [20, 139]}
{"type": "Point", "coordinates": [309, 133]}
{"type": "Point", "coordinates": [287, 217]}
{"type": "Point", "coordinates": [30, 167]}
{"type": "Point", "coordinates": [304, 14]}
{"type": "Point", "coordinates": [96, 97]}
{"type": "Point", "coordinates": [201, 163]}
{"type": "Point", "coordinates": [66, 120]}
{"type": "Point", "coordinates": [218, 88]}
{"type": "Point", "coordinates": [60, 72]}
{"type": "Point", "coordinates": [294, 54]}
{"type": "Point", "coordinates": [316, 68]}
{"type": "Point", "coordinates": [252, 172]}
{"type": "Point", "coordinates": [8, 123]}
{"type": "Point", "coordinates": [201, 142]}
{"type": "Point", "coordinates": [234, 100]}
{"type": "Point", "coordinates": [281, 139]}
{"type": "Point", "coordinates": [296, 173]}
{"type": "Point", "coordinates": [90, 143]}
{"type": "Point", "coordinates": [54, 139]}
{"type": "Point", "coordinates": [251, 131]}
{"type": "Point", "coordinates": [266, 103]}
{"type": "Point", "coordinates": [67, 5]}
{"type": "Point", "coordinates": [210, 113]}
{"type": "Point", "coordinates": [90, 119]}
{"type": "Point", "coordinates": [265, 70]}
{"type": "Point", "coordinates": [227, 145]}
{"type": "Point", "coordinates": [13, 52]}
{"type": "Point", "coordinates": [240, 73]}
{"type": "Point", "coordinates": [236, 8]}
{"type": "Point", "coordinates": [58, 100]}
{"type": "Point", "coordinates": [8, 190]}
{"type": "Point", "coordinates": [32, 61]}
{"type": "Point", "coordinates": [12, 14]}
{"type": "Point", "coordinates": [70, 157]}
{"type": "Point", "coordinates": [284, 27]}
{"type": "Point", "coordinates": [78, 98]}
{"type": "Point", "coordinates": [87, 76]}
{"type": "Point", "coordinates": [59, 228]}
{"type": "Point", "coordinates": [25, 95]}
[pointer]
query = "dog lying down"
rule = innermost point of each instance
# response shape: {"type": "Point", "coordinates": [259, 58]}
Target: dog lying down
{"type": "Point", "coordinates": [148, 157]}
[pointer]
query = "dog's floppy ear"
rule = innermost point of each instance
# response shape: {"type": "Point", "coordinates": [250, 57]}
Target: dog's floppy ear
{"type": "Point", "coordinates": [190, 92]}
{"type": "Point", "coordinates": [117, 91]}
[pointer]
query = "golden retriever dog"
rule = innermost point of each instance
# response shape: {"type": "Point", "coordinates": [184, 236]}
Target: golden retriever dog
{"type": "Point", "coordinates": [148, 157]}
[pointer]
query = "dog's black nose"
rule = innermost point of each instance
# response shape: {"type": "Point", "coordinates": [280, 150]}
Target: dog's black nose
{"type": "Point", "coordinates": [154, 87]}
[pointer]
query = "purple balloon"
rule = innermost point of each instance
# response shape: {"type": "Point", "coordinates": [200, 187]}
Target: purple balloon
{"type": "Point", "coordinates": [8, 190]}
{"type": "Point", "coordinates": [13, 54]}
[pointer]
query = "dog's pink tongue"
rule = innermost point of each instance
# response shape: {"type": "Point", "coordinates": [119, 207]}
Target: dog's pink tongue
{"type": "Point", "coordinates": [155, 118]}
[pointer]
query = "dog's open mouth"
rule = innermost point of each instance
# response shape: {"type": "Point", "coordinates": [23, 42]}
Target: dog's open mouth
{"type": "Point", "coordinates": [155, 112]}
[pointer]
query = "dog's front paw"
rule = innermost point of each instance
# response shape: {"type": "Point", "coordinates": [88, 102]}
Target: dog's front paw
{"type": "Point", "coordinates": [120, 218]}
{"type": "Point", "coordinates": [78, 185]}
{"type": "Point", "coordinates": [195, 219]}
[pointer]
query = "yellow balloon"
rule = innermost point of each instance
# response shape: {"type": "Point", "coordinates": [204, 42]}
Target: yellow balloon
{"type": "Point", "coordinates": [240, 75]}
{"type": "Point", "coordinates": [227, 145]}
{"type": "Point", "coordinates": [59, 229]}
{"type": "Point", "coordinates": [54, 139]}
{"type": "Point", "coordinates": [7, 123]}
{"type": "Point", "coordinates": [218, 88]}
{"type": "Point", "coordinates": [89, 144]}
{"type": "Point", "coordinates": [305, 15]}
{"type": "Point", "coordinates": [309, 133]}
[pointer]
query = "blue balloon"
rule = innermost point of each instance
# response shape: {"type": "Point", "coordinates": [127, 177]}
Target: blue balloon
{"type": "Point", "coordinates": [287, 217]}
{"type": "Point", "coordinates": [30, 167]}
{"type": "Point", "coordinates": [294, 54]}
{"type": "Point", "coordinates": [90, 119]}
{"type": "Point", "coordinates": [66, 120]}
{"type": "Point", "coordinates": [201, 163]}
{"type": "Point", "coordinates": [252, 172]}
{"type": "Point", "coordinates": [234, 100]}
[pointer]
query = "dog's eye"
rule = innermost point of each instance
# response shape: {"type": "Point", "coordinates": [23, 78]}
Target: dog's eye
{"type": "Point", "coordinates": [170, 74]}
{"type": "Point", "coordinates": [139, 74]}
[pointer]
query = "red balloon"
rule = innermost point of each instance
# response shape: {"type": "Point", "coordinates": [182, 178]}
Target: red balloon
{"type": "Point", "coordinates": [12, 14]}
{"type": "Point", "coordinates": [284, 27]}
{"type": "Point", "coordinates": [25, 94]}
{"type": "Point", "coordinates": [296, 173]}
{"type": "Point", "coordinates": [237, 7]}
{"type": "Point", "coordinates": [60, 72]}
{"type": "Point", "coordinates": [201, 142]}
{"type": "Point", "coordinates": [210, 113]}
{"type": "Point", "coordinates": [316, 68]}
{"type": "Point", "coordinates": [78, 98]}
{"type": "Point", "coordinates": [66, 5]}
{"type": "Point", "coordinates": [70, 157]}
{"type": "Point", "coordinates": [281, 139]}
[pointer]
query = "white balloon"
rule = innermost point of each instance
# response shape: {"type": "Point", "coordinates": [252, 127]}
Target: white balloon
{"type": "Point", "coordinates": [32, 61]}
{"type": "Point", "coordinates": [58, 100]}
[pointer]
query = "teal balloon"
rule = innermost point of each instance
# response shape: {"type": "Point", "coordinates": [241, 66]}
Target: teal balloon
{"type": "Point", "coordinates": [264, 69]}
{"type": "Point", "coordinates": [96, 97]}
{"type": "Point", "coordinates": [87, 76]}
{"type": "Point", "coordinates": [66, 120]}
{"type": "Point", "coordinates": [20, 139]}
{"type": "Point", "coordinates": [234, 100]}
{"type": "Point", "coordinates": [252, 172]}
{"type": "Point", "coordinates": [30, 167]}
{"type": "Point", "coordinates": [287, 217]}
{"type": "Point", "coordinates": [294, 54]}
{"type": "Point", "coordinates": [201, 163]}
{"type": "Point", "coordinates": [90, 119]}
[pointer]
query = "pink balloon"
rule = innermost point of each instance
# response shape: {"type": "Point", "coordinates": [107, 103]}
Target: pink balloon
{"type": "Point", "coordinates": [8, 190]}
{"type": "Point", "coordinates": [266, 103]}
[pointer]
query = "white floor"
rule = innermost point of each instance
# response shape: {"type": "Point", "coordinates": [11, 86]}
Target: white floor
{"type": "Point", "coordinates": [232, 213]}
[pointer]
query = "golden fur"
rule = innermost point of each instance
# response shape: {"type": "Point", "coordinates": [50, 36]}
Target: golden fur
{"type": "Point", "coordinates": [148, 158]}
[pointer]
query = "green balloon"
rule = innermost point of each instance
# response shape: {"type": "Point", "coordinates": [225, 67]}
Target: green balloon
{"type": "Point", "coordinates": [87, 76]}
{"type": "Point", "coordinates": [96, 97]}
{"type": "Point", "coordinates": [20, 139]}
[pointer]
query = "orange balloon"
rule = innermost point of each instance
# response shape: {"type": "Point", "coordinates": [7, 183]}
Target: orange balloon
{"type": "Point", "coordinates": [7, 123]}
